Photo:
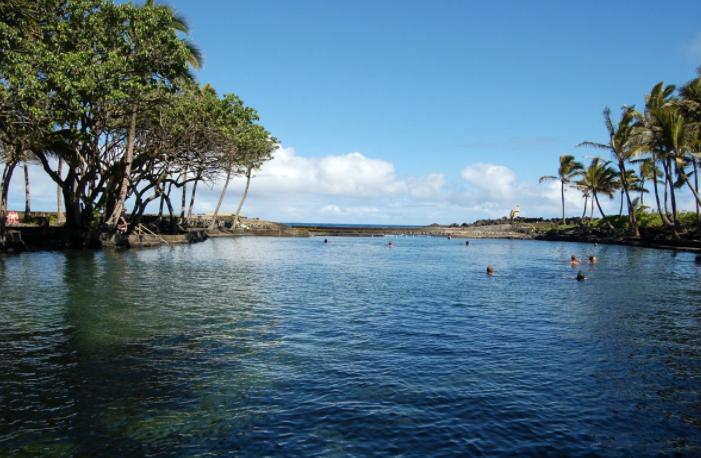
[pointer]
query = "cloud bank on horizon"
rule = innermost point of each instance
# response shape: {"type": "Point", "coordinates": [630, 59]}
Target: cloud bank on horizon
{"type": "Point", "coordinates": [354, 188]}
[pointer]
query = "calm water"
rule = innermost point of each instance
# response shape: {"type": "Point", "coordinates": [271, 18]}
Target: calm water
{"type": "Point", "coordinates": [263, 346]}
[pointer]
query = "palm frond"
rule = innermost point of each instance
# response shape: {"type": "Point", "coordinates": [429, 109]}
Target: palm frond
{"type": "Point", "coordinates": [594, 145]}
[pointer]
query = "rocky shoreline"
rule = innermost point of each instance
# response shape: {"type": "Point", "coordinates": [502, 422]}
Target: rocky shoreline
{"type": "Point", "coordinates": [38, 237]}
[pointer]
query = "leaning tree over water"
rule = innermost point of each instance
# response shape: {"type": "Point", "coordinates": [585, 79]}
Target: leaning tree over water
{"type": "Point", "coordinates": [102, 96]}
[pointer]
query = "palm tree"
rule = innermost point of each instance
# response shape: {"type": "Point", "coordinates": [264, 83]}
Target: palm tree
{"type": "Point", "coordinates": [624, 143]}
{"type": "Point", "coordinates": [676, 139]}
{"type": "Point", "coordinates": [651, 132]}
{"type": "Point", "coordinates": [690, 103]}
{"type": "Point", "coordinates": [648, 172]}
{"type": "Point", "coordinates": [599, 178]}
{"type": "Point", "coordinates": [180, 25]}
{"type": "Point", "coordinates": [568, 170]}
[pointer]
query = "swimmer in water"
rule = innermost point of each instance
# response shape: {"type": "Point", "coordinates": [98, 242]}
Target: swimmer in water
{"type": "Point", "coordinates": [581, 276]}
{"type": "Point", "coordinates": [389, 244]}
{"type": "Point", "coordinates": [593, 259]}
{"type": "Point", "coordinates": [467, 242]}
{"type": "Point", "coordinates": [326, 240]}
{"type": "Point", "coordinates": [573, 260]}
{"type": "Point", "coordinates": [490, 270]}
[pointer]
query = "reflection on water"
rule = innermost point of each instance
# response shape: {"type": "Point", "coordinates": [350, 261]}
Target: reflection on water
{"type": "Point", "coordinates": [290, 346]}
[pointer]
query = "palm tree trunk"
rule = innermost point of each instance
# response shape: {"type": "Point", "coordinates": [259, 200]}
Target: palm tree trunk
{"type": "Point", "coordinates": [598, 205]}
{"type": "Point", "coordinates": [620, 210]}
{"type": "Point", "coordinates": [243, 198]}
{"type": "Point", "coordinates": [586, 200]}
{"type": "Point", "coordinates": [128, 159]}
{"type": "Point", "coordinates": [642, 191]}
{"type": "Point", "coordinates": [663, 215]}
{"type": "Point", "coordinates": [59, 194]}
{"type": "Point", "coordinates": [631, 211]}
{"type": "Point", "coordinates": [27, 200]}
{"type": "Point", "coordinates": [221, 198]}
{"type": "Point", "coordinates": [562, 193]}
{"type": "Point", "coordinates": [672, 194]}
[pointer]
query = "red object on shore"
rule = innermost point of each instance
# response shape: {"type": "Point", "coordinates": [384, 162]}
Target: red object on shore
{"type": "Point", "coordinates": [12, 218]}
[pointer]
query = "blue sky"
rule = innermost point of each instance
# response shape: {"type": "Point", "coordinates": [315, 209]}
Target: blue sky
{"type": "Point", "coordinates": [433, 88]}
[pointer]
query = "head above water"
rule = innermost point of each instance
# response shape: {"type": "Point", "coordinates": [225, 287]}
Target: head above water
{"type": "Point", "coordinates": [581, 276]}
{"type": "Point", "coordinates": [490, 270]}
{"type": "Point", "coordinates": [593, 259]}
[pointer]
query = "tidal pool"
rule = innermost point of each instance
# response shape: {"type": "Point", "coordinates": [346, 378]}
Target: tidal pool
{"type": "Point", "coordinates": [277, 346]}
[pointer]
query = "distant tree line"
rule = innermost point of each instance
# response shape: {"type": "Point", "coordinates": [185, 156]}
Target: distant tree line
{"type": "Point", "coordinates": [102, 96]}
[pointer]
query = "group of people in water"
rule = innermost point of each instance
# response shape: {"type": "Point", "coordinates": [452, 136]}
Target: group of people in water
{"type": "Point", "coordinates": [574, 261]}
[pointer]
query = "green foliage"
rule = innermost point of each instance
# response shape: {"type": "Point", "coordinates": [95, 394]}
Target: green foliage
{"type": "Point", "coordinates": [73, 73]}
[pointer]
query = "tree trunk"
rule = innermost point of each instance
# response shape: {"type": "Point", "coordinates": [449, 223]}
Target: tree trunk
{"type": "Point", "coordinates": [163, 199]}
{"type": "Point", "coordinates": [586, 200]}
{"type": "Point", "coordinates": [4, 185]}
{"type": "Point", "coordinates": [192, 200]}
{"type": "Point", "coordinates": [183, 198]}
{"type": "Point", "coordinates": [562, 193]}
{"type": "Point", "coordinates": [672, 194]}
{"type": "Point", "coordinates": [221, 199]}
{"type": "Point", "coordinates": [663, 215]}
{"type": "Point", "coordinates": [27, 202]}
{"type": "Point", "coordinates": [128, 159]}
{"type": "Point", "coordinates": [631, 211]}
{"type": "Point", "coordinates": [620, 209]}
{"type": "Point", "coordinates": [59, 194]}
{"type": "Point", "coordinates": [642, 191]}
{"type": "Point", "coordinates": [696, 187]}
{"type": "Point", "coordinates": [598, 205]}
{"type": "Point", "coordinates": [243, 198]}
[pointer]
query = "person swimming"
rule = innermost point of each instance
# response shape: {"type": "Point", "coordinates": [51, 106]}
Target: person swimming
{"type": "Point", "coordinates": [573, 260]}
{"type": "Point", "coordinates": [593, 259]}
{"type": "Point", "coordinates": [581, 276]}
{"type": "Point", "coordinates": [467, 242]}
{"type": "Point", "coordinates": [326, 240]}
{"type": "Point", "coordinates": [389, 244]}
{"type": "Point", "coordinates": [490, 270]}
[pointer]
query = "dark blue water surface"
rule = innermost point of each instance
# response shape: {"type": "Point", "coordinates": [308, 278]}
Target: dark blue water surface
{"type": "Point", "coordinates": [265, 346]}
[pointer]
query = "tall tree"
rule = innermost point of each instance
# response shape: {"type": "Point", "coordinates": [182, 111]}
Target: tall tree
{"type": "Point", "coordinates": [624, 143]}
{"type": "Point", "coordinates": [599, 178]}
{"type": "Point", "coordinates": [568, 170]}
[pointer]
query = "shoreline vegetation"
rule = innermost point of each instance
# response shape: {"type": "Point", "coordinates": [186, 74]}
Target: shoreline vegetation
{"type": "Point", "coordinates": [102, 96]}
